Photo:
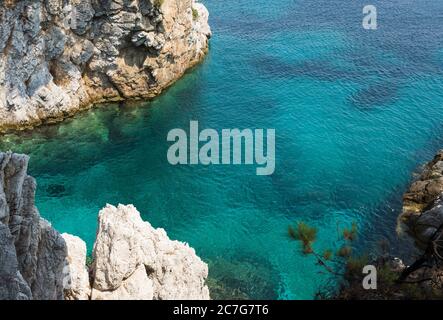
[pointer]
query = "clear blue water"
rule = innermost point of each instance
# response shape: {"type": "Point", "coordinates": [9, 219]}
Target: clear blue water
{"type": "Point", "coordinates": [355, 113]}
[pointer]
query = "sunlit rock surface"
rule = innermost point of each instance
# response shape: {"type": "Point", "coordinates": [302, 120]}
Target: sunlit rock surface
{"type": "Point", "coordinates": [57, 57]}
{"type": "Point", "coordinates": [131, 259]}
{"type": "Point", "coordinates": [422, 213]}
{"type": "Point", "coordinates": [127, 247]}
{"type": "Point", "coordinates": [76, 284]}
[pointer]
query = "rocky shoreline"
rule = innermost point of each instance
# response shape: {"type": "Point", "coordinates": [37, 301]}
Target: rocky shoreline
{"type": "Point", "coordinates": [131, 259]}
{"type": "Point", "coordinates": [58, 59]}
{"type": "Point", "coordinates": [422, 213]}
{"type": "Point", "coordinates": [421, 220]}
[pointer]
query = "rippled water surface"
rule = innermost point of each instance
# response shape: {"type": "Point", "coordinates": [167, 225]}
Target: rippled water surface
{"type": "Point", "coordinates": [355, 113]}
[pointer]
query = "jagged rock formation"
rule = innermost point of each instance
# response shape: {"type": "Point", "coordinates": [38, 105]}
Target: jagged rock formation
{"type": "Point", "coordinates": [60, 56]}
{"type": "Point", "coordinates": [32, 253]}
{"type": "Point", "coordinates": [422, 213]}
{"type": "Point", "coordinates": [129, 251]}
{"type": "Point", "coordinates": [76, 285]}
{"type": "Point", "coordinates": [12, 284]}
{"type": "Point", "coordinates": [131, 259]}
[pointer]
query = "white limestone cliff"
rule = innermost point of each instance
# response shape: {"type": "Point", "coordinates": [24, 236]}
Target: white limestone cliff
{"type": "Point", "coordinates": [76, 282]}
{"type": "Point", "coordinates": [131, 259]}
{"type": "Point", "coordinates": [128, 247]}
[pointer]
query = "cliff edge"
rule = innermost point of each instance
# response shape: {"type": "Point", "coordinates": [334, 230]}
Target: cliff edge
{"type": "Point", "coordinates": [422, 214]}
{"type": "Point", "coordinates": [131, 259]}
{"type": "Point", "coordinates": [58, 57]}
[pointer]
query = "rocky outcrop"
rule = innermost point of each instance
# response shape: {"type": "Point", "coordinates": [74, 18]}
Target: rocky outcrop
{"type": "Point", "coordinates": [422, 220]}
{"type": "Point", "coordinates": [32, 253]}
{"type": "Point", "coordinates": [422, 213]}
{"type": "Point", "coordinates": [76, 283]}
{"type": "Point", "coordinates": [426, 188]}
{"type": "Point", "coordinates": [131, 259]}
{"type": "Point", "coordinates": [58, 57]}
{"type": "Point", "coordinates": [129, 251]}
{"type": "Point", "coordinates": [12, 284]}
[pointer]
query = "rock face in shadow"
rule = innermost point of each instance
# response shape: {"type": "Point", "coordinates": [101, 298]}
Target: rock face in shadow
{"type": "Point", "coordinates": [32, 253]}
{"type": "Point", "coordinates": [131, 259]}
{"type": "Point", "coordinates": [12, 284]}
{"type": "Point", "coordinates": [422, 213]}
{"type": "Point", "coordinates": [57, 56]}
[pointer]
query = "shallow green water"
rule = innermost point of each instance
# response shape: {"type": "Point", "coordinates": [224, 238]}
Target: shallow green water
{"type": "Point", "coordinates": [355, 113]}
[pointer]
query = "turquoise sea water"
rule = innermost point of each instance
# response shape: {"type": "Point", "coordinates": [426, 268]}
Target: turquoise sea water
{"type": "Point", "coordinates": [355, 113]}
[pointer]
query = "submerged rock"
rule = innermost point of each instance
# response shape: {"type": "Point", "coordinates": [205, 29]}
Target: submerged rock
{"type": "Point", "coordinates": [57, 57]}
{"type": "Point", "coordinates": [243, 278]}
{"type": "Point", "coordinates": [131, 259]}
{"type": "Point", "coordinates": [55, 190]}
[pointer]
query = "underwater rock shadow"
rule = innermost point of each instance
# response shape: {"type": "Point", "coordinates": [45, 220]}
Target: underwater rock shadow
{"type": "Point", "coordinates": [376, 95]}
{"type": "Point", "coordinates": [55, 190]}
{"type": "Point", "coordinates": [319, 69]}
{"type": "Point", "coordinates": [243, 278]}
